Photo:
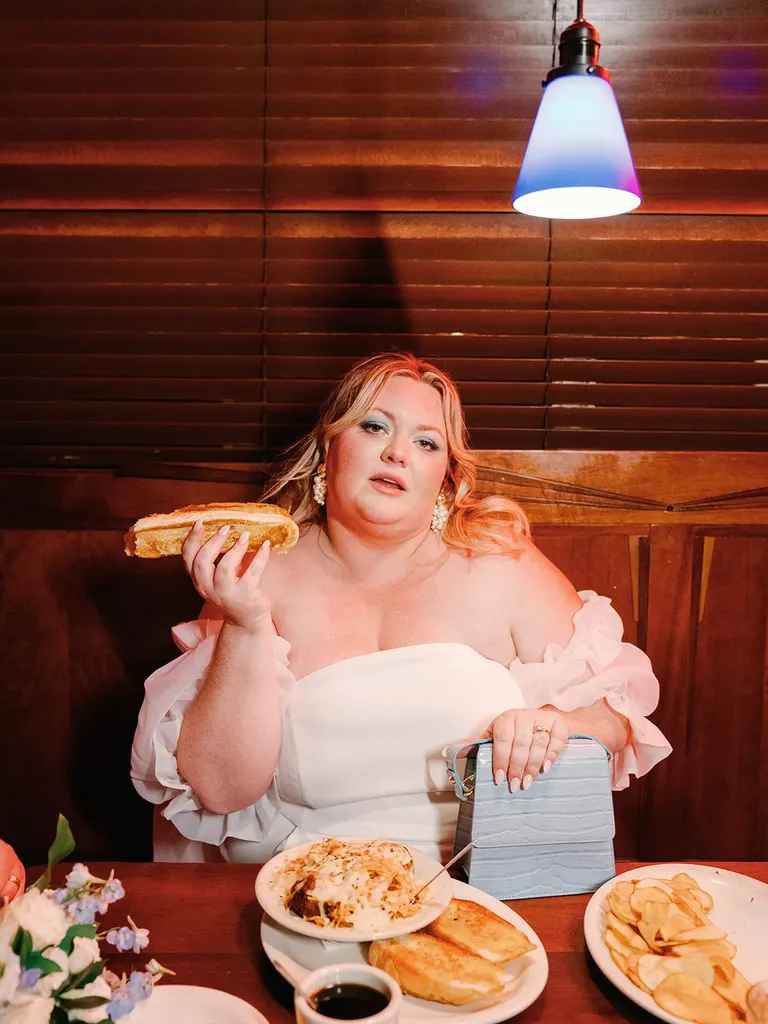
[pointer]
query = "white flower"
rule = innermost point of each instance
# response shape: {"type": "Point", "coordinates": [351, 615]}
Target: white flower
{"type": "Point", "coordinates": [84, 952]}
{"type": "Point", "coordinates": [99, 987]}
{"type": "Point", "coordinates": [27, 1008]}
{"type": "Point", "coordinates": [11, 969]}
{"type": "Point", "coordinates": [48, 984]}
{"type": "Point", "coordinates": [41, 917]}
{"type": "Point", "coordinates": [8, 928]}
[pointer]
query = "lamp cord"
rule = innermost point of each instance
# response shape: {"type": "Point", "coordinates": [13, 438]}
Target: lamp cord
{"type": "Point", "coordinates": [548, 302]}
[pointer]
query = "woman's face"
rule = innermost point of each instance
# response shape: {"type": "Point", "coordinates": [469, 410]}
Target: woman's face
{"type": "Point", "coordinates": [389, 468]}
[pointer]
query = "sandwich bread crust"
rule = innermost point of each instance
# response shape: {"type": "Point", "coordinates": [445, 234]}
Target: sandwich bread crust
{"type": "Point", "coordinates": [433, 969]}
{"type": "Point", "coordinates": [164, 533]}
{"type": "Point", "coordinates": [475, 928]}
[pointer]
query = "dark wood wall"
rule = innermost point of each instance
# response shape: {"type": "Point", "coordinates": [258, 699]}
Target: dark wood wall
{"type": "Point", "coordinates": [211, 208]}
{"type": "Point", "coordinates": [678, 541]}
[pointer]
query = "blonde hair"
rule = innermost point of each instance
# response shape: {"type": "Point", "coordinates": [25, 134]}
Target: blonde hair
{"type": "Point", "coordinates": [476, 524]}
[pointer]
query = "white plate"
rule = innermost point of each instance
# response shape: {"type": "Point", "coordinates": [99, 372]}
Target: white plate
{"type": "Point", "coordinates": [193, 1004]}
{"type": "Point", "coordinates": [295, 955]}
{"type": "Point", "coordinates": [740, 909]}
{"type": "Point", "coordinates": [434, 900]}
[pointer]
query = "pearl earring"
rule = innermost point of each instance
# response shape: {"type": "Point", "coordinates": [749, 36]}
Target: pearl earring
{"type": "Point", "coordinates": [440, 514]}
{"type": "Point", "coordinates": [319, 485]}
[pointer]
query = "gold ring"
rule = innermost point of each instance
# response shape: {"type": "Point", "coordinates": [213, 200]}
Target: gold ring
{"type": "Point", "coordinates": [540, 728]}
{"type": "Point", "coordinates": [13, 878]}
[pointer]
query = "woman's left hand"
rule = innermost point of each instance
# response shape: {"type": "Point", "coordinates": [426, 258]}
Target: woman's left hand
{"type": "Point", "coordinates": [525, 742]}
{"type": "Point", "coordinates": [12, 875]}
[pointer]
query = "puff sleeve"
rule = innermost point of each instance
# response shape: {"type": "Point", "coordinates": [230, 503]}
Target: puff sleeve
{"type": "Point", "coordinates": [154, 771]}
{"type": "Point", "coordinates": [596, 664]}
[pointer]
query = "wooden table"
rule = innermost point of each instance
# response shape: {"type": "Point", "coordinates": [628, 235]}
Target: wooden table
{"type": "Point", "coordinates": [204, 924]}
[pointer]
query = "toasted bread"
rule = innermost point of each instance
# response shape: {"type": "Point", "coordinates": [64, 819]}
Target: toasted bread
{"type": "Point", "coordinates": [430, 968]}
{"type": "Point", "coordinates": [164, 533]}
{"type": "Point", "coordinates": [475, 928]}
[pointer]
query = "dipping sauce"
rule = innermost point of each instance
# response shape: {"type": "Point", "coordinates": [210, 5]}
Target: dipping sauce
{"type": "Point", "coordinates": [349, 1001]}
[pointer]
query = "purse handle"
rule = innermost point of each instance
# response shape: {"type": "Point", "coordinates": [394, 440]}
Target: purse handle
{"type": "Point", "coordinates": [455, 751]}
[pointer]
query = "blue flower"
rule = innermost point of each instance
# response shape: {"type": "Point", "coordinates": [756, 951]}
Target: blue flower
{"type": "Point", "coordinates": [129, 938]}
{"type": "Point", "coordinates": [121, 1004]}
{"type": "Point", "coordinates": [29, 977]}
{"type": "Point", "coordinates": [140, 985]}
{"type": "Point", "coordinates": [84, 910]}
{"type": "Point", "coordinates": [78, 877]}
{"type": "Point", "coordinates": [113, 891]}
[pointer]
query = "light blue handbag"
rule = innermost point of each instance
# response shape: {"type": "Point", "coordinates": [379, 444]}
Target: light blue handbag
{"type": "Point", "coordinates": [553, 839]}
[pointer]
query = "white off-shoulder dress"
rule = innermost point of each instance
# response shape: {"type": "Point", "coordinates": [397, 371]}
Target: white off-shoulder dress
{"type": "Point", "coordinates": [362, 740]}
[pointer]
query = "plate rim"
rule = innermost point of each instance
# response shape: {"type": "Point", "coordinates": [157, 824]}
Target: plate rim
{"type": "Point", "coordinates": [592, 926]}
{"type": "Point", "coordinates": [171, 986]}
{"type": "Point", "coordinates": [538, 972]}
{"type": "Point", "coordinates": [296, 924]}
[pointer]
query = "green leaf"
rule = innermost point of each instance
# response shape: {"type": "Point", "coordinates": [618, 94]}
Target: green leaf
{"type": "Point", "coordinates": [86, 931]}
{"type": "Point", "coordinates": [22, 945]}
{"type": "Point", "coordinates": [17, 939]}
{"type": "Point", "coordinates": [36, 959]}
{"type": "Point", "coordinates": [60, 848]}
{"type": "Point", "coordinates": [59, 1016]}
{"type": "Point", "coordinates": [85, 1003]}
{"type": "Point", "coordinates": [88, 974]}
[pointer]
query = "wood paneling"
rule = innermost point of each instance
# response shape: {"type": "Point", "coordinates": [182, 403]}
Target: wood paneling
{"type": "Point", "coordinates": [211, 209]}
{"type": "Point", "coordinates": [133, 107]}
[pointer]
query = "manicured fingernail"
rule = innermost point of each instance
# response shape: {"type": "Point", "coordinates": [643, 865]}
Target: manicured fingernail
{"type": "Point", "coordinates": [266, 545]}
{"type": "Point", "coordinates": [198, 527]}
{"type": "Point", "coordinates": [243, 538]}
{"type": "Point", "coordinates": [514, 785]}
{"type": "Point", "coordinates": [224, 530]}
{"type": "Point", "coordinates": [527, 782]}
{"type": "Point", "coordinates": [498, 778]}
{"type": "Point", "coordinates": [547, 766]}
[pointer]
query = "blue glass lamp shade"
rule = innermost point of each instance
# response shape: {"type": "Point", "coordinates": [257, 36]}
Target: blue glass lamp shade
{"type": "Point", "coordinates": [577, 164]}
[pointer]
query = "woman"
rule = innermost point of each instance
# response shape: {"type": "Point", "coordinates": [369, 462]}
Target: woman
{"type": "Point", "coordinates": [316, 692]}
{"type": "Point", "coordinates": [12, 874]}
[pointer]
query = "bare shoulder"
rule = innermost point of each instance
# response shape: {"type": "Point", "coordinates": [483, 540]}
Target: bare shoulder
{"type": "Point", "coordinates": [541, 599]}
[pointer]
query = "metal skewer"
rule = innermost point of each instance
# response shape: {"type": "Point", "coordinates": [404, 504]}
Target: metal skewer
{"type": "Point", "coordinates": [445, 867]}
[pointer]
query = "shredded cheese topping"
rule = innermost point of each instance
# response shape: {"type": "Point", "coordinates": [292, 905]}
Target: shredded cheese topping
{"type": "Point", "coordinates": [346, 884]}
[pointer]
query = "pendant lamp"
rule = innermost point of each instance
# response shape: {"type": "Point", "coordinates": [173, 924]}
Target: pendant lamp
{"type": "Point", "coordinates": [577, 164]}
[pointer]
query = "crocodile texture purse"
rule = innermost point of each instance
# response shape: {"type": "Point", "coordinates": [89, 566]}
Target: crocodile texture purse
{"type": "Point", "coordinates": [553, 839]}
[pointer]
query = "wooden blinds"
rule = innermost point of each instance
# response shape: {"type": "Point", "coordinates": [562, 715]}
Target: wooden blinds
{"type": "Point", "coordinates": [210, 210]}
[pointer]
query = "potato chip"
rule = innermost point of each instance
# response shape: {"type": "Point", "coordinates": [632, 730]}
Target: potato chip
{"type": "Point", "coordinates": [724, 970]}
{"type": "Point", "coordinates": [619, 959]}
{"type": "Point", "coordinates": [683, 881]}
{"type": "Point", "coordinates": [654, 969]}
{"type": "Point", "coordinates": [627, 933]}
{"type": "Point", "coordinates": [651, 894]}
{"type": "Point", "coordinates": [735, 993]}
{"type": "Point", "coordinates": [634, 975]}
{"type": "Point", "coordinates": [654, 915]}
{"type": "Point", "coordinates": [721, 948]}
{"type": "Point", "coordinates": [702, 933]}
{"type": "Point", "coordinates": [673, 924]}
{"type": "Point", "coordinates": [622, 908]}
{"type": "Point", "coordinates": [690, 998]}
{"type": "Point", "coordinates": [617, 943]}
{"type": "Point", "coordinates": [704, 900]}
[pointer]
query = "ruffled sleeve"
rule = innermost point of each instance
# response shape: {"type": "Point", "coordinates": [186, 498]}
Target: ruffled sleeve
{"type": "Point", "coordinates": [596, 664]}
{"type": "Point", "coordinates": [154, 770]}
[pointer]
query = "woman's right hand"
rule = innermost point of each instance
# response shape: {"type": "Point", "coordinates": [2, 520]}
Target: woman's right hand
{"type": "Point", "coordinates": [230, 585]}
